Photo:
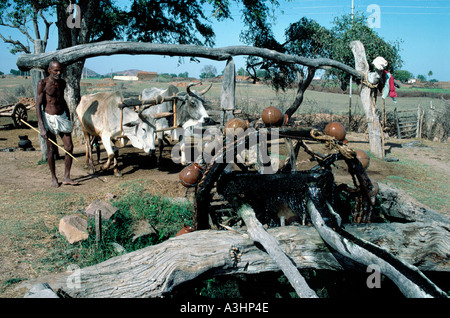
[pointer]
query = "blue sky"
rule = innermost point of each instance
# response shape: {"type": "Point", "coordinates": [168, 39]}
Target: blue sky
{"type": "Point", "coordinates": [423, 27]}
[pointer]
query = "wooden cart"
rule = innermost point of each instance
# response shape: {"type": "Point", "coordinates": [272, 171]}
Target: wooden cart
{"type": "Point", "coordinates": [17, 112]}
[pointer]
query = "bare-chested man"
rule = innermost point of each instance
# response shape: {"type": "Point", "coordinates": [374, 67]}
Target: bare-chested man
{"type": "Point", "coordinates": [54, 119]}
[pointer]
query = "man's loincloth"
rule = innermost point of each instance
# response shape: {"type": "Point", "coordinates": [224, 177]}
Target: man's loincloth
{"type": "Point", "coordinates": [57, 124]}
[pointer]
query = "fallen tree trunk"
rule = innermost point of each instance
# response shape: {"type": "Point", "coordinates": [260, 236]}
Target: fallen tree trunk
{"type": "Point", "coordinates": [424, 241]}
{"type": "Point", "coordinates": [154, 271]}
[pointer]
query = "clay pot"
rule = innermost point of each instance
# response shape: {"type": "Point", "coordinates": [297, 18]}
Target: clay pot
{"type": "Point", "coordinates": [336, 130]}
{"type": "Point", "coordinates": [363, 157]}
{"type": "Point", "coordinates": [185, 229]}
{"type": "Point", "coordinates": [234, 125]}
{"type": "Point", "coordinates": [24, 142]}
{"type": "Point", "coordinates": [286, 119]}
{"type": "Point", "coordinates": [272, 116]}
{"type": "Point", "coordinates": [191, 175]}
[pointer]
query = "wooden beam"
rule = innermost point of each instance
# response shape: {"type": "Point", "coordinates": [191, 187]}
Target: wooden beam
{"type": "Point", "coordinates": [80, 52]}
{"type": "Point", "coordinates": [258, 234]}
{"type": "Point", "coordinates": [373, 123]}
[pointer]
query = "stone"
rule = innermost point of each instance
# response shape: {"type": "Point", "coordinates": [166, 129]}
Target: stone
{"type": "Point", "coordinates": [41, 291]}
{"type": "Point", "coordinates": [142, 228]}
{"type": "Point", "coordinates": [109, 196]}
{"type": "Point", "coordinates": [119, 248]}
{"type": "Point", "coordinates": [107, 209]}
{"type": "Point", "coordinates": [73, 228]}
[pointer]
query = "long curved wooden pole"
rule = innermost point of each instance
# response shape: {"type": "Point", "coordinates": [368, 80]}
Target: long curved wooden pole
{"type": "Point", "coordinates": [23, 121]}
{"type": "Point", "coordinates": [76, 53]}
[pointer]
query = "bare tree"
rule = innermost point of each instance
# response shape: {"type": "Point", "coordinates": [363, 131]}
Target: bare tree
{"type": "Point", "coordinates": [19, 15]}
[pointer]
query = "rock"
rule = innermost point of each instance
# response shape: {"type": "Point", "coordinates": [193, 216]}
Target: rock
{"type": "Point", "coordinates": [414, 143]}
{"type": "Point", "coordinates": [119, 248]}
{"type": "Point", "coordinates": [108, 210]}
{"type": "Point", "coordinates": [41, 291]}
{"type": "Point", "coordinates": [142, 228]}
{"type": "Point", "coordinates": [109, 196]}
{"type": "Point", "coordinates": [73, 228]}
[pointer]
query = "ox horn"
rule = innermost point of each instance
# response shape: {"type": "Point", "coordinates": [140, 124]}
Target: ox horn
{"type": "Point", "coordinates": [203, 92]}
{"type": "Point", "coordinates": [188, 88]}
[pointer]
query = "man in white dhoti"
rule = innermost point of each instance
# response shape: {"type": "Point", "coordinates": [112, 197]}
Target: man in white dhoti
{"type": "Point", "coordinates": [54, 119]}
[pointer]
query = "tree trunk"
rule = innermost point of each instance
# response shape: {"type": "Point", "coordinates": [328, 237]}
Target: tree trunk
{"type": "Point", "coordinates": [227, 97]}
{"type": "Point", "coordinates": [154, 271]}
{"type": "Point", "coordinates": [36, 76]}
{"type": "Point", "coordinates": [367, 94]}
{"type": "Point", "coordinates": [72, 95]}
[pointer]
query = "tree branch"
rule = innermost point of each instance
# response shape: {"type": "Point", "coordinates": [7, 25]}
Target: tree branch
{"type": "Point", "coordinates": [302, 86]}
{"type": "Point", "coordinates": [80, 52]}
{"type": "Point", "coordinates": [257, 233]}
{"type": "Point", "coordinates": [409, 279]}
{"type": "Point", "coordinates": [47, 28]}
{"type": "Point", "coordinates": [21, 47]}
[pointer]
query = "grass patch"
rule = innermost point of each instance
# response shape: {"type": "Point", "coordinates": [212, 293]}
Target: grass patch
{"type": "Point", "coordinates": [135, 205]}
{"type": "Point", "coordinates": [417, 179]}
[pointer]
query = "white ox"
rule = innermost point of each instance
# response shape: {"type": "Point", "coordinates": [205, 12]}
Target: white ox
{"type": "Point", "coordinates": [101, 117]}
{"type": "Point", "coordinates": [190, 112]}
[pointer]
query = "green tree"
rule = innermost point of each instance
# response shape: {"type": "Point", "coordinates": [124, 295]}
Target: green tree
{"type": "Point", "coordinates": [402, 75]}
{"type": "Point", "coordinates": [307, 38]}
{"type": "Point", "coordinates": [422, 78]}
{"type": "Point", "coordinates": [346, 29]}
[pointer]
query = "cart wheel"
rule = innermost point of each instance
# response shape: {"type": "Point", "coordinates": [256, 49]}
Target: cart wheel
{"type": "Point", "coordinates": [19, 112]}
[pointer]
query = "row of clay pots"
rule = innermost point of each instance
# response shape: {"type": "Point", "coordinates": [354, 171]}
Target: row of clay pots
{"type": "Point", "coordinates": [272, 117]}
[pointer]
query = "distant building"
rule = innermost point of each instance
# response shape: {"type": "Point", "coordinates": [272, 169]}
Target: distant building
{"type": "Point", "coordinates": [125, 78]}
{"type": "Point", "coordinates": [412, 81]}
{"type": "Point", "coordinates": [145, 76]}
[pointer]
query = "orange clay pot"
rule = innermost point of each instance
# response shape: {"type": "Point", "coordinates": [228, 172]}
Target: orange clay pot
{"type": "Point", "coordinates": [234, 124]}
{"type": "Point", "coordinates": [363, 157]}
{"type": "Point", "coordinates": [335, 130]}
{"type": "Point", "coordinates": [185, 229]}
{"type": "Point", "coordinates": [191, 175]}
{"type": "Point", "coordinates": [272, 116]}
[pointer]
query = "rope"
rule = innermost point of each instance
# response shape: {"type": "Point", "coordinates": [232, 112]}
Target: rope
{"type": "Point", "coordinates": [332, 143]}
{"type": "Point", "coordinates": [366, 82]}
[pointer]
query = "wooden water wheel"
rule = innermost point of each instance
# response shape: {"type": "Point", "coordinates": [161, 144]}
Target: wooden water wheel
{"type": "Point", "coordinates": [224, 185]}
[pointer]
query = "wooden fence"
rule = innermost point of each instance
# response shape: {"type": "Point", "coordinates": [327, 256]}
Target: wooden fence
{"type": "Point", "coordinates": [409, 123]}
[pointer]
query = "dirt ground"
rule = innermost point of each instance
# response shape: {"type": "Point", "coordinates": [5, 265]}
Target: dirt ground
{"type": "Point", "coordinates": [30, 209]}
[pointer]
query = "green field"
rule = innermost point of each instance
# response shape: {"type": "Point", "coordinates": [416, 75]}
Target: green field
{"type": "Point", "coordinates": [249, 97]}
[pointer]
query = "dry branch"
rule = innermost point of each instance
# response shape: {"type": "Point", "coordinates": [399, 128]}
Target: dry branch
{"type": "Point", "coordinates": [409, 279]}
{"type": "Point", "coordinates": [80, 52]}
{"type": "Point", "coordinates": [257, 233]}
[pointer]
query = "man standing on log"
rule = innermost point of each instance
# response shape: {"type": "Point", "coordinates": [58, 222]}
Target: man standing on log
{"type": "Point", "coordinates": [53, 116]}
